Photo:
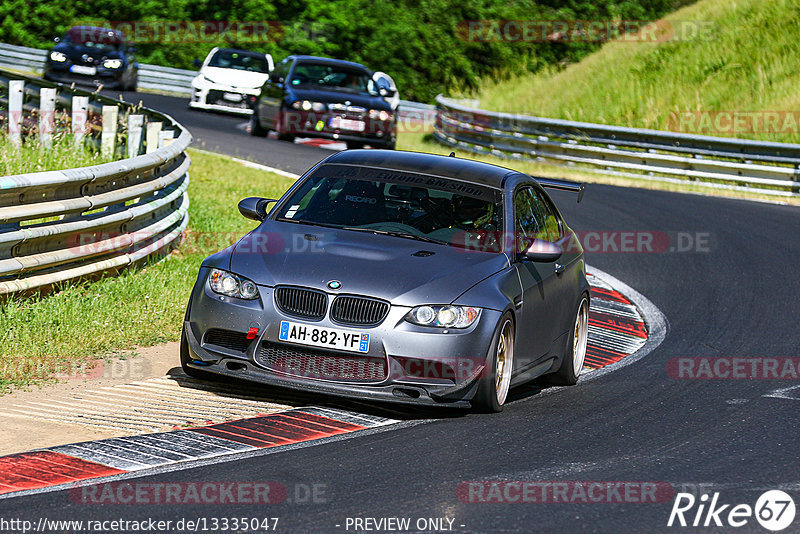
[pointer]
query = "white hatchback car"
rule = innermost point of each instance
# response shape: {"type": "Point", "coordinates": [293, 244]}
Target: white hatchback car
{"type": "Point", "coordinates": [230, 80]}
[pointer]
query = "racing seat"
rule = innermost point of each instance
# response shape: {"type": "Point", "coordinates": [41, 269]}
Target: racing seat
{"type": "Point", "coordinates": [359, 202]}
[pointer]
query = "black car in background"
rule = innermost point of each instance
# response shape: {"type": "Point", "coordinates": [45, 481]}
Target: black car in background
{"type": "Point", "coordinates": [319, 97]}
{"type": "Point", "coordinates": [95, 56]}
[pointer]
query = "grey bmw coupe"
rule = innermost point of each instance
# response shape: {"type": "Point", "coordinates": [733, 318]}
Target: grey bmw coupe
{"type": "Point", "coordinates": [400, 277]}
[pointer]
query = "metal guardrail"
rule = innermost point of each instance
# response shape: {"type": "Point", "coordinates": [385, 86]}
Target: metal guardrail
{"type": "Point", "coordinates": [60, 225]}
{"type": "Point", "coordinates": [717, 162]}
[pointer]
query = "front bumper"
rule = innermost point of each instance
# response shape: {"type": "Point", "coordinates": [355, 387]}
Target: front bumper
{"type": "Point", "coordinates": [59, 72]}
{"type": "Point", "coordinates": [318, 124]}
{"type": "Point", "coordinates": [211, 96]}
{"type": "Point", "coordinates": [423, 365]}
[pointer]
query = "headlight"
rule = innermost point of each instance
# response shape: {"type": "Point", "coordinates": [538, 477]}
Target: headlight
{"type": "Point", "coordinates": [58, 56]}
{"type": "Point", "coordinates": [444, 316]}
{"type": "Point", "coordinates": [308, 105]}
{"type": "Point", "coordinates": [229, 284]}
{"type": "Point", "coordinates": [112, 63]}
{"type": "Point", "coordinates": [379, 114]}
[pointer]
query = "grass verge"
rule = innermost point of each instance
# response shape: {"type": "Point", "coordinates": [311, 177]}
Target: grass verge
{"type": "Point", "coordinates": [30, 157]}
{"type": "Point", "coordinates": [725, 56]}
{"type": "Point", "coordinates": [46, 337]}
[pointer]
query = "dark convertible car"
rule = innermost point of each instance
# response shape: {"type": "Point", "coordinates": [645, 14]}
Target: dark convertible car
{"type": "Point", "coordinates": [94, 56]}
{"type": "Point", "coordinates": [397, 276]}
{"type": "Point", "coordinates": [319, 97]}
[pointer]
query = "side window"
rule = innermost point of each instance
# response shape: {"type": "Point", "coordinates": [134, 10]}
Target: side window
{"type": "Point", "coordinates": [552, 226]}
{"type": "Point", "coordinates": [528, 220]}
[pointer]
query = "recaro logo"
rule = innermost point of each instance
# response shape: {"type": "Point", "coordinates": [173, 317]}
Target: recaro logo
{"type": "Point", "coordinates": [361, 200]}
{"type": "Point", "coordinates": [774, 510]}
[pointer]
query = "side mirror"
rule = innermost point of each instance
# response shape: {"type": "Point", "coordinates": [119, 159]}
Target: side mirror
{"type": "Point", "coordinates": [543, 251]}
{"type": "Point", "coordinates": [385, 92]}
{"type": "Point", "coordinates": [197, 63]}
{"type": "Point", "coordinates": [56, 39]}
{"type": "Point", "coordinates": [255, 207]}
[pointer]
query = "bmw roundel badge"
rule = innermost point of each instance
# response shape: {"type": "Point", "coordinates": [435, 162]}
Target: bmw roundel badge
{"type": "Point", "coordinates": [334, 284]}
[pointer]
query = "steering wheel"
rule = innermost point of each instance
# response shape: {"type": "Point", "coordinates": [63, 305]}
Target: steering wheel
{"type": "Point", "coordinates": [436, 213]}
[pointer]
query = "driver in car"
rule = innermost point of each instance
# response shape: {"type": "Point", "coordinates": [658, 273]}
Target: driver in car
{"type": "Point", "coordinates": [477, 217]}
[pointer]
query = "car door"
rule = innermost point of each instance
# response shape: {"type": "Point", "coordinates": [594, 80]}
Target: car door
{"type": "Point", "coordinates": [568, 267]}
{"type": "Point", "coordinates": [537, 322]}
{"type": "Point", "coordinates": [272, 93]}
{"type": "Point", "coordinates": [130, 63]}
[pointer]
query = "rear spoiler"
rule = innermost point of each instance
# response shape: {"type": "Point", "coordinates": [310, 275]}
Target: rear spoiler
{"type": "Point", "coordinates": [563, 185]}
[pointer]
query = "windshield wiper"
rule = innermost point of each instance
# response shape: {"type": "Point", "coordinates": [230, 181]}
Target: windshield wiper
{"type": "Point", "coordinates": [367, 230]}
{"type": "Point", "coordinates": [395, 234]}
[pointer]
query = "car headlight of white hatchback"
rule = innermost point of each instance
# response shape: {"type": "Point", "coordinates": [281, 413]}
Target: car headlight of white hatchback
{"type": "Point", "coordinates": [447, 316]}
{"type": "Point", "coordinates": [58, 56]}
{"type": "Point", "coordinates": [112, 63]}
{"type": "Point", "coordinates": [232, 285]}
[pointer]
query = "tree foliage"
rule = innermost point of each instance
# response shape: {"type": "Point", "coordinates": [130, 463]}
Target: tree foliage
{"type": "Point", "coordinates": [424, 45]}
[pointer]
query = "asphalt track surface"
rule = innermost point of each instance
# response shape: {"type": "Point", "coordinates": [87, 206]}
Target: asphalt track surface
{"type": "Point", "coordinates": [739, 298]}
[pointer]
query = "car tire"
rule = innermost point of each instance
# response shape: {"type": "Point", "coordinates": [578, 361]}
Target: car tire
{"type": "Point", "coordinates": [186, 358]}
{"type": "Point", "coordinates": [255, 128]}
{"type": "Point", "coordinates": [493, 387]}
{"type": "Point", "coordinates": [353, 145]}
{"type": "Point", "coordinates": [286, 137]}
{"type": "Point", "coordinates": [575, 352]}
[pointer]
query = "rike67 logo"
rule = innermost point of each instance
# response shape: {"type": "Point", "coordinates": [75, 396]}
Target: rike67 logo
{"type": "Point", "coordinates": [774, 510]}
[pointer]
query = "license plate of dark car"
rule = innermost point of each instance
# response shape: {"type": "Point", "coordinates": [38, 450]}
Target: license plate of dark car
{"type": "Point", "coordinates": [320, 336]}
{"type": "Point", "coordinates": [80, 69]}
{"type": "Point", "coordinates": [339, 123]}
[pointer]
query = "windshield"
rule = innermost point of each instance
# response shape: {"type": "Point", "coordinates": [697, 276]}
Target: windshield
{"type": "Point", "coordinates": [433, 209]}
{"type": "Point", "coordinates": [94, 38]}
{"type": "Point", "coordinates": [333, 76]}
{"type": "Point", "coordinates": [227, 59]}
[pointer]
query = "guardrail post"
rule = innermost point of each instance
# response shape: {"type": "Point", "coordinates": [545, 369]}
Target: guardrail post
{"type": "Point", "coordinates": [47, 116]}
{"type": "Point", "coordinates": [80, 117]}
{"type": "Point", "coordinates": [165, 137]}
{"type": "Point", "coordinates": [16, 91]}
{"type": "Point", "coordinates": [109, 135]}
{"type": "Point", "coordinates": [153, 129]}
{"type": "Point", "coordinates": [135, 123]}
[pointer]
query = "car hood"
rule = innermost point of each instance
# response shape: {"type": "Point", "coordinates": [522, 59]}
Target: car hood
{"type": "Point", "coordinates": [316, 94]}
{"type": "Point", "coordinates": [385, 267]}
{"type": "Point", "coordinates": [235, 77]}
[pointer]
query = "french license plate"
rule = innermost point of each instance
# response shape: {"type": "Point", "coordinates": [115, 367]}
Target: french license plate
{"type": "Point", "coordinates": [232, 97]}
{"type": "Point", "coordinates": [331, 338]}
{"type": "Point", "coordinates": [339, 123]}
{"type": "Point", "coordinates": [81, 69]}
